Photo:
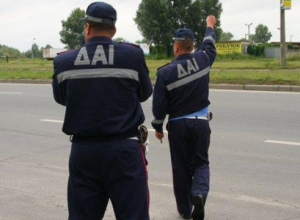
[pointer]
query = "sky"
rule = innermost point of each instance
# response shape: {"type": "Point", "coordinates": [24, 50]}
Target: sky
{"type": "Point", "coordinates": [26, 22]}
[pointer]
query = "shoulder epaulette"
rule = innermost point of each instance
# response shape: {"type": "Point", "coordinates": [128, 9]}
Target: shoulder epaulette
{"type": "Point", "coordinates": [162, 66]}
{"type": "Point", "coordinates": [59, 53]}
{"type": "Point", "coordinates": [128, 43]}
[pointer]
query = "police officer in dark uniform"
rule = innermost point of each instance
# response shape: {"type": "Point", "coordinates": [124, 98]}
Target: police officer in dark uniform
{"type": "Point", "coordinates": [181, 91]}
{"type": "Point", "coordinates": [101, 85]}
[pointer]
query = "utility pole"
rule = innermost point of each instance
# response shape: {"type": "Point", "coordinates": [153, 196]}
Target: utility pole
{"type": "Point", "coordinates": [32, 48]}
{"type": "Point", "coordinates": [248, 30]}
{"type": "Point", "coordinates": [282, 35]}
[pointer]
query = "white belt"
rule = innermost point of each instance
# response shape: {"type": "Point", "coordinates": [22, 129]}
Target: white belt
{"type": "Point", "coordinates": [197, 117]}
{"type": "Point", "coordinates": [133, 138]}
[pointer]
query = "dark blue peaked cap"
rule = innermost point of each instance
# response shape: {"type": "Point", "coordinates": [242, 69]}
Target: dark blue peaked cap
{"type": "Point", "coordinates": [101, 12]}
{"type": "Point", "coordinates": [182, 34]}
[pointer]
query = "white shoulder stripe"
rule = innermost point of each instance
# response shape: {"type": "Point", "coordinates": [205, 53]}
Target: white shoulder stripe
{"type": "Point", "coordinates": [98, 73]}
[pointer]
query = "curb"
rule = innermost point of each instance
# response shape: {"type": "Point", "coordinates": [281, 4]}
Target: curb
{"type": "Point", "coordinates": [26, 81]}
{"type": "Point", "coordinates": [279, 88]}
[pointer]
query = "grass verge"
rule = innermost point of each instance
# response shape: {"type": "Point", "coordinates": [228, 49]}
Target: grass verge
{"type": "Point", "coordinates": [226, 71]}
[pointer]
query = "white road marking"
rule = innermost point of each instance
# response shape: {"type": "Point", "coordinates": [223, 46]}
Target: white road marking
{"type": "Point", "coordinates": [52, 121]}
{"type": "Point", "coordinates": [282, 142]}
{"type": "Point", "coordinates": [12, 93]}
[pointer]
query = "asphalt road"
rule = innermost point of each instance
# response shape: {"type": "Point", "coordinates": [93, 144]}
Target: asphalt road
{"type": "Point", "coordinates": [254, 157]}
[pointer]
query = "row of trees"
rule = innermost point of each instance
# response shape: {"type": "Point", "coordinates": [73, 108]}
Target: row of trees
{"type": "Point", "coordinates": [156, 20]}
{"type": "Point", "coordinates": [35, 51]}
{"type": "Point", "coordinates": [262, 35]}
{"type": "Point", "coordinates": [9, 51]}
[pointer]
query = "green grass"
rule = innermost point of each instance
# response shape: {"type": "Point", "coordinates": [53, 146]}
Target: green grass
{"type": "Point", "coordinates": [240, 70]}
{"type": "Point", "coordinates": [26, 69]}
{"type": "Point", "coordinates": [261, 63]}
{"type": "Point", "coordinates": [258, 77]}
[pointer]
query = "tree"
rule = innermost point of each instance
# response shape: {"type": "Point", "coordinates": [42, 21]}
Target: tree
{"type": "Point", "coordinates": [226, 36]}
{"type": "Point", "coordinates": [143, 41]}
{"type": "Point", "coordinates": [9, 51]}
{"type": "Point", "coordinates": [48, 46]}
{"type": "Point", "coordinates": [72, 33]}
{"type": "Point", "coordinates": [153, 21]}
{"type": "Point", "coordinates": [158, 19]}
{"type": "Point", "coordinates": [243, 39]}
{"type": "Point", "coordinates": [194, 13]}
{"type": "Point", "coordinates": [36, 52]}
{"type": "Point", "coordinates": [119, 39]}
{"type": "Point", "coordinates": [262, 34]}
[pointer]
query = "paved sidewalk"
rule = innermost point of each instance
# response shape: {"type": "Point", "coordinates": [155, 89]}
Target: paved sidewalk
{"type": "Point", "coordinates": [280, 88]}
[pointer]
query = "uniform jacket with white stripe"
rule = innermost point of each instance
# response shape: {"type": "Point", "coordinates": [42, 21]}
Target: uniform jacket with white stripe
{"type": "Point", "coordinates": [182, 86]}
{"type": "Point", "coordinates": [102, 84]}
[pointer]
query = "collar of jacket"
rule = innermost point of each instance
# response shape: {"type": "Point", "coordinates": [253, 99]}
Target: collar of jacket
{"type": "Point", "coordinates": [184, 56]}
{"type": "Point", "coordinates": [99, 39]}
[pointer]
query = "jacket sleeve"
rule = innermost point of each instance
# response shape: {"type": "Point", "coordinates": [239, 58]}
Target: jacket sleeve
{"type": "Point", "coordinates": [145, 88]}
{"type": "Point", "coordinates": [57, 91]}
{"type": "Point", "coordinates": [160, 104]}
{"type": "Point", "coordinates": [208, 45]}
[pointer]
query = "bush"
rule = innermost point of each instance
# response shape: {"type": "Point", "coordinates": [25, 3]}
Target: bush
{"type": "Point", "coordinates": [256, 50]}
{"type": "Point", "coordinates": [157, 56]}
{"type": "Point", "coordinates": [290, 46]}
{"type": "Point", "coordinates": [294, 58]}
{"type": "Point", "coordinates": [234, 56]}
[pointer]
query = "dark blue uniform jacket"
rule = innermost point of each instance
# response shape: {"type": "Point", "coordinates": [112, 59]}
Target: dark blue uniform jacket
{"type": "Point", "coordinates": [102, 84]}
{"type": "Point", "coordinates": [182, 86]}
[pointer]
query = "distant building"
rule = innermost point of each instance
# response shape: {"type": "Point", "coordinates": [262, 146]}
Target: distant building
{"type": "Point", "coordinates": [145, 48]}
{"type": "Point", "coordinates": [51, 53]}
{"type": "Point", "coordinates": [275, 51]}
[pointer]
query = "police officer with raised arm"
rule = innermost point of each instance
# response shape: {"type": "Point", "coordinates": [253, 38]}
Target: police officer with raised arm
{"type": "Point", "coordinates": [181, 91]}
{"type": "Point", "coordinates": [101, 85]}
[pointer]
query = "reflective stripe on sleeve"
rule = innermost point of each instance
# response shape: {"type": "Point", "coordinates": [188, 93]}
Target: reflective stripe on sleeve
{"type": "Point", "coordinates": [188, 79]}
{"type": "Point", "coordinates": [209, 38]}
{"type": "Point", "coordinates": [98, 73]}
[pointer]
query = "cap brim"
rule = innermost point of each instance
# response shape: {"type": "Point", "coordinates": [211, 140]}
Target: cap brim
{"type": "Point", "coordinates": [100, 20]}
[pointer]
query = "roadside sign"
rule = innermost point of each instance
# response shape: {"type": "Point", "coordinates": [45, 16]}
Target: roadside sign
{"type": "Point", "coordinates": [229, 47]}
{"type": "Point", "coordinates": [287, 4]}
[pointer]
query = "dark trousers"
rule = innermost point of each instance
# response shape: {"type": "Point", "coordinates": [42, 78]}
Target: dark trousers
{"type": "Point", "coordinates": [105, 170]}
{"type": "Point", "coordinates": [189, 142]}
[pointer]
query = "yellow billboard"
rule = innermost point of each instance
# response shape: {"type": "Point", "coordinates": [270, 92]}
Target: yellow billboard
{"type": "Point", "coordinates": [229, 47]}
{"type": "Point", "coordinates": [287, 4]}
